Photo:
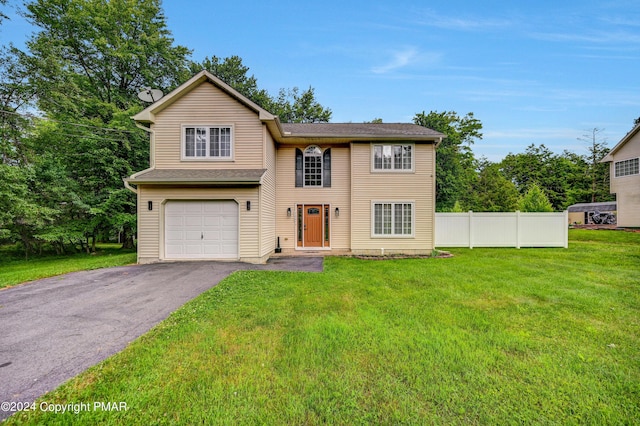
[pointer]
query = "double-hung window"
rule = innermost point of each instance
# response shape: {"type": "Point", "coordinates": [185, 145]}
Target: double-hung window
{"type": "Point", "coordinates": [391, 157]}
{"type": "Point", "coordinates": [392, 219]}
{"type": "Point", "coordinates": [207, 142]}
{"type": "Point", "coordinates": [627, 167]}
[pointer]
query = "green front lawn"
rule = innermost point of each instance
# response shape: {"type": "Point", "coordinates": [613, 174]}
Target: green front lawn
{"type": "Point", "coordinates": [490, 336]}
{"type": "Point", "coordinates": [14, 269]}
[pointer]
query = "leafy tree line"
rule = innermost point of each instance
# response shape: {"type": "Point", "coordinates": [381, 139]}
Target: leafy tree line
{"type": "Point", "coordinates": [466, 183]}
{"type": "Point", "coordinates": [61, 177]}
{"type": "Point", "coordinates": [67, 140]}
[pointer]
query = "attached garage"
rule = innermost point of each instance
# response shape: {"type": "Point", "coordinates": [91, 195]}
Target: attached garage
{"type": "Point", "coordinates": [201, 229]}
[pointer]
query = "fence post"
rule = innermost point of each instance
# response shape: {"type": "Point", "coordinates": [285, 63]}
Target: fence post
{"type": "Point", "coordinates": [566, 229]}
{"type": "Point", "coordinates": [470, 229]}
{"type": "Point", "coordinates": [517, 229]}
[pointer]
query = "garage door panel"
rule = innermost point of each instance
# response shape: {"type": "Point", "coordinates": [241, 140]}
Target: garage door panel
{"type": "Point", "coordinates": [192, 249]}
{"type": "Point", "coordinates": [174, 220]}
{"type": "Point", "coordinates": [215, 208]}
{"type": "Point", "coordinates": [201, 230]}
{"type": "Point", "coordinates": [177, 208]}
{"type": "Point", "coordinates": [212, 221]}
{"type": "Point", "coordinates": [192, 236]}
{"type": "Point", "coordinates": [174, 235]}
{"type": "Point", "coordinates": [209, 236]}
{"type": "Point", "coordinates": [195, 221]}
{"type": "Point", "coordinates": [174, 250]}
{"type": "Point", "coordinates": [212, 249]}
{"type": "Point", "coordinates": [230, 209]}
{"type": "Point", "coordinates": [229, 221]}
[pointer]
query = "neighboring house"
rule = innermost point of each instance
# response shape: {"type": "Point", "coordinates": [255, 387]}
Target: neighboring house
{"type": "Point", "coordinates": [228, 180]}
{"type": "Point", "coordinates": [592, 213]}
{"type": "Point", "coordinates": [625, 177]}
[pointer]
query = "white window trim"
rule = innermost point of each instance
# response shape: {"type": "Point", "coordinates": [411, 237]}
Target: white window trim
{"type": "Point", "coordinates": [393, 202]}
{"type": "Point", "coordinates": [393, 170]}
{"type": "Point", "coordinates": [183, 137]}
{"type": "Point", "coordinates": [622, 161]}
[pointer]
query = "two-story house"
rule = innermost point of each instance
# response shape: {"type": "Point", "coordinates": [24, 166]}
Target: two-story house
{"type": "Point", "coordinates": [228, 180]}
{"type": "Point", "coordinates": [625, 178]}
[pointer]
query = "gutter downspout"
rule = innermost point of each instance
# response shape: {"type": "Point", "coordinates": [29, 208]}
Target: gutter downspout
{"type": "Point", "coordinates": [151, 156]}
{"type": "Point", "coordinates": [152, 143]}
{"type": "Point", "coordinates": [129, 187]}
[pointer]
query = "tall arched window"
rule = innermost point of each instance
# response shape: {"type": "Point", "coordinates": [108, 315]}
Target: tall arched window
{"type": "Point", "coordinates": [313, 167]}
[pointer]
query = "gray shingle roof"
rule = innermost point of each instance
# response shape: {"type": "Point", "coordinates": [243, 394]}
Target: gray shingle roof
{"type": "Point", "coordinates": [373, 130]}
{"type": "Point", "coordinates": [609, 206]}
{"type": "Point", "coordinates": [201, 176]}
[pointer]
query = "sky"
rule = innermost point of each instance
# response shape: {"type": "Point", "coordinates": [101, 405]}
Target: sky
{"type": "Point", "coordinates": [533, 72]}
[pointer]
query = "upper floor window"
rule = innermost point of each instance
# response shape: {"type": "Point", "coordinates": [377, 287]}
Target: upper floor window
{"type": "Point", "coordinates": [627, 167]}
{"type": "Point", "coordinates": [207, 142]}
{"type": "Point", "coordinates": [393, 157]}
{"type": "Point", "coordinates": [313, 167]}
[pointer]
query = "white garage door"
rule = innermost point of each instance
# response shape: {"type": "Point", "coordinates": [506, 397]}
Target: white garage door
{"type": "Point", "coordinates": [201, 230]}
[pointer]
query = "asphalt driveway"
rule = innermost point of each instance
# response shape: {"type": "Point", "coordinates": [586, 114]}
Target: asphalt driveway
{"type": "Point", "coordinates": [55, 328]}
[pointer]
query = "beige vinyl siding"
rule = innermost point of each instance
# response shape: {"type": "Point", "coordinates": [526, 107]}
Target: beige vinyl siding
{"type": "Point", "coordinates": [417, 187]}
{"type": "Point", "coordinates": [208, 105]}
{"type": "Point", "coordinates": [576, 217]}
{"type": "Point", "coordinates": [337, 196]}
{"type": "Point", "coordinates": [268, 197]}
{"type": "Point", "coordinates": [151, 223]}
{"type": "Point", "coordinates": [627, 188]}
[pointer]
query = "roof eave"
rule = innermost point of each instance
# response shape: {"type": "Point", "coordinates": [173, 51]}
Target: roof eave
{"type": "Point", "coordinates": [191, 181]}
{"type": "Point", "coordinates": [298, 138]}
{"type": "Point", "coordinates": [609, 157]}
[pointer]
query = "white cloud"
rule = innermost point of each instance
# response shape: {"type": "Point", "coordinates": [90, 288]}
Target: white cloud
{"type": "Point", "coordinates": [433, 19]}
{"type": "Point", "coordinates": [599, 37]}
{"type": "Point", "coordinates": [532, 133]}
{"type": "Point", "coordinates": [399, 59]}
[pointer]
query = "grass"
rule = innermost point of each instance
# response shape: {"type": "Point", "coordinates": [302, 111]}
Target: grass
{"type": "Point", "coordinates": [14, 269]}
{"type": "Point", "coordinates": [490, 336]}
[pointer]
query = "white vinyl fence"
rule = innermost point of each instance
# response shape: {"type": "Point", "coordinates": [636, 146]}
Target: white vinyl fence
{"type": "Point", "coordinates": [514, 229]}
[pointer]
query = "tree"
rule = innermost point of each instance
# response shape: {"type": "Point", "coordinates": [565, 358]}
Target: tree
{"type": "Point", "coordinates": [597, 173]}
{"type": "Point", "coordinates": [2, 15]}
{"type": "Point", "coordinates": [455, 165]}
{"type": "Point", "coordinates": [290, 105]}
{"type": "Point", "coordinates": [232, 71]}
{"type": "Point", "coordinates": [86, 65]}
{"type": "Point", "coordinates": [492, 192]}
{"type": "Point", "coordinates": [535, 200]}
{"type": "Point", "coordinates": [15, 97]}
{"type": "Point", "coordinates": [21, 216]}
{"type": "Point", "coordinates": [540, 166]}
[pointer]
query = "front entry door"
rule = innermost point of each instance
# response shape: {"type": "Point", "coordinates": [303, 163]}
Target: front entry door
{"type": "Point", "coordinates": [312, 226]}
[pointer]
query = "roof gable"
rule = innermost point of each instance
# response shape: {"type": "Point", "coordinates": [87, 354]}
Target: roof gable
{"type": "Point", "coordinates": [148, 114]}
{"type": "Point", "coordinates": [298, 132]}
{"type": "Point", "coordinates": [619, 145]}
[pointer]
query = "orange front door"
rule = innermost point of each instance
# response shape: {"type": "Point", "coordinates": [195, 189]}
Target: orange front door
{"type": "Point", "coordinates": [313, 226]}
